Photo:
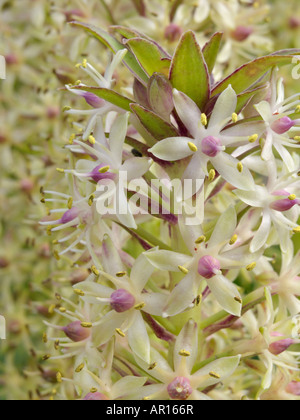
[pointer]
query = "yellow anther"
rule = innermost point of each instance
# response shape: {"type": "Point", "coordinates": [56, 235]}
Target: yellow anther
{"type": "Point", "coordinates": [183, 269]}
{"type": "Point", "coordinates": [59, 377]}
{"type": "Point", "coordinates": [292, 197]}
{"type": "Point", "coordinates": [253, 138]}
{"type": "Point", "coordinates": [296, 230]}
{"type": "Point", "coordinates": [200, 240]}
{"type": "Point", "coordinates": [140, 306]}
{"type": "Point", "coordinates": [78, 82]}
{"type": "Point", "coordinates": [56, 345]}
{"type": "Point", "coordinates": [93, 390]}
{"type": "Point", "coordinates": [198, 300]}
{"type": "Point", "coordinates": [233, 240]}
{"type": "Point", "coordinates": [72, 138]}
{"type": "Point", "coordinates": [152, 366]}
{"type": "Point", "coordinates": [298, 108]}
{"type": "Point", "coordinates": [91, 200]}
{"type": "Point", "coordinates": [60, 170]}
{"type": "Point", "coordinates": [49, 230]}
{"type": "Point", "coordinates": [297, 138]}
{"type": "Point", "coordinates": [84, 63]}
{"type": "Point", "coordinates": [238, 299]}
{"type": "Point", "coordinates": [251, 266]}
{"type": "Point", "coordinates": [66, 108]}
{"type": "Point", "coordinates": [234, 117]}
{"type": "Point", "coordinates": [70, 203]}
{"type": "Point", "coordinates": [45, 338]}
{"type": "Point", "coordinates": [214, 375]}
{"type": "Point", "coordinates": [43, 201]}
{"type": "Point", "coordinates": [211, 175]}
{"type": "Point", "coordinates": [62, 310]}
{"type": "Point", "coordinates": [56, 255]}
{"type": "Point", "coordinates": [79, 292]}
{"type": "Point", "coordinates": [120, 332]}
{"type": "Point", "coordinates": [46, 357]}
{"type": "Point", "coordinates": [79, 368]}
{"type": "Point", "coordinates": [240, 167]}
{"type": "Point", "coordinates": [95, 270]}
{"type": "Point", "coordinates": [55, 242]}
{"type": "Point", "coordinates": [86, 325]}
{"type": "Point", "coordinates": [184, 353]}
{"type": "Point", "coordinates": [92, 139]}
{"type": "Point", "coordinates": [51, 309]}
{"type": "Point", "coordinates": [192, 147]}
{"type": "Point", "coordinates": [104, 169]}
{"type": "Point", "coordinates": [204, 120]}
{"type": "Point", "coordinates": [121, 274]}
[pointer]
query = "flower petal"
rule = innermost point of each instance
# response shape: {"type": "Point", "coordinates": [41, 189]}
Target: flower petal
{"type": "Point", "coordinates": [261, 236]}
{"type": "Point", "coordinates": [138, 338]}
{"type": "Point", "coordinates": [187, 340]}
{"type": "Point", "coordinates": [223, 109]}
{"type": "Point", "coordinates": [225, 293]}
{"type": "Point", "coordinates": [172, 149]}
{"type": "Point", "coordinates": [182, 296]}
{"type": "Point", "coordinates": [141, 272]}
{"type": "Point", "coordinates": [189, 113]}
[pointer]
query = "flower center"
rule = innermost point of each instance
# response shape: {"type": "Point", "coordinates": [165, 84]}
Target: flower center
{"type": "Point", "coordinates": [121, 300]}
{"type": "Point", "coordinates": [101, 172]}
{"type": "Point", "coordinates": [76, 332]}
{"type": "Point", "coordinates": [241, 33]}
{"type": "Point", "coordinates": [208, 267]}
{"type": "Point", "coordinates": [180, 388]}
{"type": "Point", "coordinates": [211, 146]}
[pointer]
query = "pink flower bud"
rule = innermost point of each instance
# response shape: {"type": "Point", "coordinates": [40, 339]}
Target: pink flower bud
{"type": "Point", "coordinates": [241, 33]}
{"type": "Point", "coordinates": [282, 125]}
{"type": "Point", "coordinates": [97, 176]}
{"type": "Point", "coordinates": [69, 215]}
{"type": "Point", "coordinates": [96, 396]}
{"type": "Point", "coordinates": [180, 388]}
{"type": "Point", "coordinates": [294, 22]}
{"type": "Point", "coordinates": [284, 205]}
{"type": "Point", "coordinates": [280, 346]}
{"type": "Point", "coordinates": [208, 267]}
{"type": "Point", "coordinates": [211, 146]}
{"type": "Point", "coordinates": [76, 332]}
{"type": "Point", "coordinates": [121, 300]}
{"type": "Point", "coordinates": [173, 32]}
{"type": "Point", "coordinates": [93, 100]}
{"type": "Point", "coordinates": [293, 388]}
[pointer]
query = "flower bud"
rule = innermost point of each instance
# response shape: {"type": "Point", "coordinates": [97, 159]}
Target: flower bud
{"type": "Point", "coordinates": [93, 100]}
{"type": "Point", "coordinates": [208, 267]}
{"type": "Point", "coordinates": [241, 33]}
{"type": "Point", "coordinates": [211, 146]}
{"type": "Point", "coordinates": [96, 396]}
{"type": "Point", "coordinates": [121, 300]}
{"type": "Point", "coordinates": [180, 388]}
{"type": "Point", "coordinates": [173, 32]}
{"type": "Point", "coordinates": [76, 332]}
{"type": "Point", "coordinates": [282, 125]}
{"type": "Point", "coordinates": [293, 388]}
{"type": "Point", "coordinates": [69, 215]}
{"type": "Point", "coordinates": [284, 204]}
{"type": "Point", "coordinates": [280, 346]}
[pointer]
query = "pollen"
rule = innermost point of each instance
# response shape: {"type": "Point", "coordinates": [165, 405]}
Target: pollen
{"type": "Point", "coordinates": [79, 368]}
{"type": "Point", "coordinates": [79, 292]}
{"type": "Point", "coordinates": [204, 120]}
{"type": "Point", "coordinates": [240, 167]}
{"type": "Point", "coordinates": [214, 375]}
{"type": "Point", "coordinates": [253, 138]}
{"type": "Point", "coordinates": [91, 200]}
{"type": "Point", "coordinates": [251, 266]}
{"type": "Point", "coordinates": [200, 240]}
{"type": "Point", "coordinates": [233, 240]}
{"type": "Point", "coordinates": [184, 353]}
{"type": "Point", "coordinates": [92, 139]}
{"type": "Point", "coordinates": [292, 197]}
{"type": "Point", "coordinates": [211, 175]}
{"type": "Point", "coordinates": [183, 269]}
{"type": "Point", "coordinates": [72, 138]}
{"type": "Point", "coordinates": [95, 270]}
{"type": "Point", "coordinates": [86, 325]}
{"type": "Point", "coordinates": [192, 147]}
{"type": "Point", "coordinates": [234, 117]}
{"type": "Point", "coordinates": [121, 274]}
{"type": "Point", "coordinates": [60, 170]}
{"type": "Point", "coordinates": [120, 332]}
{"type": "Point", "coordinates": [238, 299]}
{"type": "Point", "coordinates": [140, 306]}
{"type": "Point", "coordinates": [104, 169]}
{"type": "Point", "coordinates": [296, 230]}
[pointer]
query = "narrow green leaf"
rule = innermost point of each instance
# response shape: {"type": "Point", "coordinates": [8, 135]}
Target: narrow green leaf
{"type": "Point", "coordinates": [189, 73]}
{"type": "Point", "coordinates": [127, 33]}
{"type": "Point", "coordinates": [211, 49]}
{"type": "Point", "coordinates": [156, 126]}
{"type": "Point", "coordinates": [108, 95]}
{"type": "Point", "coordinates": [149, 56]}
{"type": "Point", "coordinates": [245, 76]}
{"type": "Point", "coordinates": [114, 45]}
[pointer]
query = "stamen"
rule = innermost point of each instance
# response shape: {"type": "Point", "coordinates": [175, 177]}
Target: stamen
{"type": "Point", "coordinates": [234, 117]}
{"type": "Point", "coordinates": [140, 306]}
{"type": "Point", "coordinates": [204, 120]}
{"type": "Point", "coordinates": [233, 240]}
{"type": "Point", "coordinates": [240, 167]}
{"type": "Point", "coordinates": [200, 240]}
{"type": "Point", "coordinates": [120, 332]}
{"type": "Point", "coordinates": [251, 266]}
{"type": "Point", "coordinates": [214, 375]}
{"type": "Point", "coordinates": [184, 353]}
{"type": "Point", "coordinates": [253, 138]}
{"type": "Point", "coordinates": [183, 269]}
{"type": "Point", "coordinates": [192, 147]}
